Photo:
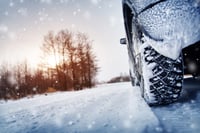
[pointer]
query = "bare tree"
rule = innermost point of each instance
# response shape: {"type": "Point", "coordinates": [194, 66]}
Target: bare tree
{"type": "Point", "coordinates": [65, 42]}
{"type": "Point", "coordinates": [50, 48]}
{"type": "Point", "coordinates": [91, 68]}
{"type": "Point", "coordinates": [75, 62]}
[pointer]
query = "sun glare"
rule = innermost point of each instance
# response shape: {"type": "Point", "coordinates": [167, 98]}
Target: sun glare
{"type": "Point", "coordinates": [51, 61]}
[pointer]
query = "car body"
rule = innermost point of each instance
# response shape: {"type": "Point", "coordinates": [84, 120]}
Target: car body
{"type": "Point", "coordinates": [165, 32]}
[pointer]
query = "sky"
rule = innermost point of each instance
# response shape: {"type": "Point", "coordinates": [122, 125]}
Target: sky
{"type": "Point", "coordinates": [23, 24]}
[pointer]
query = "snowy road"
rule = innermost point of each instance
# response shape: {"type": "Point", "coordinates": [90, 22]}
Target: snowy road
{"type": "Point", "coordinates": [107, 108]}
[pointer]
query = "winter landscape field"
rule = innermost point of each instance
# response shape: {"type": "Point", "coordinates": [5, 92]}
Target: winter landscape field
{"type": "Point", "coordinates": [116, 108]}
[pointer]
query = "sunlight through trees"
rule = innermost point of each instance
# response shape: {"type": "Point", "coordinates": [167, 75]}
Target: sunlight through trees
{"type": "Point", "coordinates": [68, 63]}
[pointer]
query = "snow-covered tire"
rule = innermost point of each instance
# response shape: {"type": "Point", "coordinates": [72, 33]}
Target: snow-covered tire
{"type": "Point", "coordinates": [162, 77]}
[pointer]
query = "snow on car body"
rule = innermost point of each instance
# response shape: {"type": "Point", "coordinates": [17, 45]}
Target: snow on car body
{"type": "Point", "coordinates": [157, 31]}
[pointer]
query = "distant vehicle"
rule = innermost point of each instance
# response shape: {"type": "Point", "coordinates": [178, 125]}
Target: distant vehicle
{"type": "Point", "coordinates": [163, 40]}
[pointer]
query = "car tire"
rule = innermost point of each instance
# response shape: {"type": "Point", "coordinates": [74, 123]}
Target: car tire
{"type": "Point", "coordinates": [162, 77]}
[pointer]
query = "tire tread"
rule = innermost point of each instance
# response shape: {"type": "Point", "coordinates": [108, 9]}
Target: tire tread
{"type": "Point", "coordinates": [166, 82]}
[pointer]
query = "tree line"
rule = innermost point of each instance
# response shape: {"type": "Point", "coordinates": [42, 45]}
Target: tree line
{"type": "Point", "coordinates": [122, 78]}
{"type": "Point", "coordinates": [74, 68]}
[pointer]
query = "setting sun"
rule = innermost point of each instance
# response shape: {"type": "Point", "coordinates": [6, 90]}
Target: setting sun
{"type": "Point", "coordinates": [51, 61]}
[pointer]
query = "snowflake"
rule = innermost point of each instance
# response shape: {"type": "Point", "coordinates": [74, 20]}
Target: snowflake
{"type": "Point", "coordinates": [3, 29]}
{"type": "Point", "coordinates": [42, 16]}
{"type": "Point", "coordinates": [34, 89]}
{"type": "Point", "coordinates": [78, 116]}
{"type": "Point", "coordinates": [87, 15]}
{"type": "Point", "coordinates": [62, 1]}
{"type": "Point", "coordinates": [6, 13]}
{"type": "Point", "coordinates": [73, 26]}
{"type": "Point", "coordinates": [11, 4]}
{"type": "Point", "coordinates": [70, 123]}
{"type": "Point", "coordinates": [12, 80]}
{"type": "Point", "coordinates": [193, 126]}
{"type": "Point", "coordinates": [95, 1]}
{"type": "Point", "coordinates": [89, 126]}
{"type": "Point", "coordinates": [17, 88]}
{"type": "Point", "coordinates": [61, 19]}
{"type": "Point", "coordinates": [12, 35]}
{"type": "Point", "coordinates": [112, 21]}
{"type": "Point", "coordinates": [197, 49]}
{"type": "Point", "coordinates": [159, 129]}
{"type": "Point", "coordinates": [196, 3]}
{"type": "Point", "coordinates": [22, 11]}
{"type": "Point", "coordinates": [114, 127]}
{"type": "Point", "coordinates": [24, 29]}
{"type": "Point", "coordinates": [46, 1]}
{"type": "Point", "coordinates": [74, 13]}
{"type": "Point", "coordinates": [127, 124]}
{"type": "Point", "coordinates": [110, 5]}
{"type": "Point", "coordinates": [192, 67]}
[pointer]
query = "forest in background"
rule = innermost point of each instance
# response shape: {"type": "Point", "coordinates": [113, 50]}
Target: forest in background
{"type": "Point", "coordinates": [75, 68]}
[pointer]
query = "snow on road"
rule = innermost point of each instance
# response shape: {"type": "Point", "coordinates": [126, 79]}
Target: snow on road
{"type": "Point", "coordinates": [183, 116]}
{"type": "Point", "coordinates": [107, 108]}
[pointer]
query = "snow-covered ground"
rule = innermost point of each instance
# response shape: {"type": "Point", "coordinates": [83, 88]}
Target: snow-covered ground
{"type": "Point", "coordinates": [183, 116]}
{"type": "Point", "coordinates": [107, 108]}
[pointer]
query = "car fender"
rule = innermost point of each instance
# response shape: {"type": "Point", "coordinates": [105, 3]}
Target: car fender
{"type": "Point", "coordinates": [171, 26]}
{"type": "Point", "coordinates": [168, 25]}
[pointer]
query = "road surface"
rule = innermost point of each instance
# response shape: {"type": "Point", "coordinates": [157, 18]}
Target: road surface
{"type": "Point", "coordinates": [107, 108]}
